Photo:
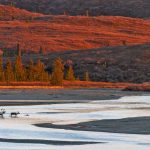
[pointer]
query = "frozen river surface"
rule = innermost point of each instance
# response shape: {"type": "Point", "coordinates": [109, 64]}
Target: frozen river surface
{"type": "Point", "coordinates": [21, 133]}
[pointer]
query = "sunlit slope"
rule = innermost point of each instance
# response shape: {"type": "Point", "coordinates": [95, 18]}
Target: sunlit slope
{"type": "Point", "coordinates": [55, 33]}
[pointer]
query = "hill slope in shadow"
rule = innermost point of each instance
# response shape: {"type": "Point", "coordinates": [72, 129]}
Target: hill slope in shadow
{"type": "Point", "coordinates": [128, 8]}
{"type": "Point", "coordinates": [113, 64]}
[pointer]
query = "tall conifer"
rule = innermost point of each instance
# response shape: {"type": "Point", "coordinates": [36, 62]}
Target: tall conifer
{"type": "Point", "coordinates": [70, 74]}
{"type": "Point", "coordinates": [9, 75]}
{"type": "Point", "coordinates": [1, 70]}
{"type": "Point", "coordinates": [58, 72]}
{"type": "Point", "coordinates": [31, 71]}
{"type": "Point", "coordinates": [41, 74]}
{"type": "Point", "coordinates": [19, 69]}
{"type": "Point", "coordinates": [86, 76]}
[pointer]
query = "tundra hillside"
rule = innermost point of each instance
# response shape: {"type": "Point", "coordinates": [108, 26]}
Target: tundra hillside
{"type": "Point", "coordinates": [107, 48]}
{"type": "Point", "coordinates": [61, 33]}
{"type": "Point", "coordinates": [8, 13]}
{"type": "Point", "coordinates": [128, 8]}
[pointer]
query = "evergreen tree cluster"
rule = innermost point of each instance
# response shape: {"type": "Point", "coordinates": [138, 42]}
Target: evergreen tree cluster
{"type": "Point", "coordinates": [17, 72]}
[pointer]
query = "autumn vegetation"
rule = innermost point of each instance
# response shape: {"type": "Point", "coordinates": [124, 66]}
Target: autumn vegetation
{"type": "Point", "coordinates": [65, 33]}
{"type": "Point", "coordinates": [34, 75]}
{"type": "Point", "coordinates": [18, 72]}
{"type": "Point", "coordinates": [9, 13]}
{"type": "Point", "coordinates": [104, 49]}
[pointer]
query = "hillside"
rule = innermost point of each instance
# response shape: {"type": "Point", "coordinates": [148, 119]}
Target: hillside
{"type": "Point", "coordinates": [11, 13]}
{"type": "Point", "coordinates": [129, 8]}
{"type": "Point", "coordinates": [59, 33]}
{"type": "Point", "coordinates": [108, 64]}
{"type": "Point", "coordinates": [113, 64]}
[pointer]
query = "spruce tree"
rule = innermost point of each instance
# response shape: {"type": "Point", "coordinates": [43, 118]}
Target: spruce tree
{"type": "Point", "coordinates": [41, 74]}
{"type": "Point", "coordinates": [19, 70]}
{"type": "Point", "coordinates": [31, 71]}
{"type": "Point", "coordinates": [58, 72]}
{"type": "Point", "coordinates": [1, 70]}
{"type": "Point", "coordinates": [9, 75]}
{"type": "Point", "coordinates": [70, 74]}
{"type": "Point", "coordinates": [86, 76]}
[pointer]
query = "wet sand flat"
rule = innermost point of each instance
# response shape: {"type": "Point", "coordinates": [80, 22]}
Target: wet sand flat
{"type": "Point", "coordinates": [42, 96]}
{"type": "Point", "coordinates": [136, 125]}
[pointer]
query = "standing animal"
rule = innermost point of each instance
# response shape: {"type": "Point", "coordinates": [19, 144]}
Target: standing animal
{"type": "Point", "coordinates": [14, 114]}
{"type": "Point", "coordinates": [2, 113]}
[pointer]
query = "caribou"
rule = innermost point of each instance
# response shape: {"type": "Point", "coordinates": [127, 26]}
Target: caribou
{"type": "Point", "coordinates": [2, 113]}
{"type": "Point", "coordinates": [14, 114]}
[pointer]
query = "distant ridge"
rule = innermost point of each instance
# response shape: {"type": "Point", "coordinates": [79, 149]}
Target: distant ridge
{"type": "Point", "coordinates": [128, 8]}
{"type": "Point", "coordinates": [11, 13]}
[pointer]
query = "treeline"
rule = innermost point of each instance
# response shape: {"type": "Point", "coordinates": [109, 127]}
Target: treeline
{"type": "Point", "coordinates": [36, 72]}
{"type": "Point", "coordinates": [18, 72]}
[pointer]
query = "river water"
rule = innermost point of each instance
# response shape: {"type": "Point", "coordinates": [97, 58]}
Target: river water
{"type": "Point", "coordinates": [61, 110]}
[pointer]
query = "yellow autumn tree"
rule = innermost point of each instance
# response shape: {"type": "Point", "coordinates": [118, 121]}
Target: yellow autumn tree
{"type": "Point", "coordinates": [41, 74]}
{"type": "Point", "coordinates": [58, 72]}
{"type": "Point", "coordinates": [70, 74]}
{"type": "Point", "coordinates": [19, 70]}
{"type": "Point", "coordinates": [9, 75]}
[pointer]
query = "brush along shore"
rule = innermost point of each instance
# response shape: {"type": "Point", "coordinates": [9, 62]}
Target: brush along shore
{"type": "Point", "coordinates": [75, 84]}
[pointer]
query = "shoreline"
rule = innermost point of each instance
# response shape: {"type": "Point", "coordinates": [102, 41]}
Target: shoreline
{"type": "Point", "coordinates": [56, 96]}
{"type": "Point", "coordinates": [76, 85]}
{"type": "Point", "coordinates": [30, 87]}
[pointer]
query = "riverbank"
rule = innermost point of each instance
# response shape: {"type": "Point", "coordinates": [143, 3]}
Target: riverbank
{"type": "Point", "coordinates": [11, 97]}
{"type": "Point", "coordinates": [17, 97]}
{"type": "Point", "coordinates": [76, 84]}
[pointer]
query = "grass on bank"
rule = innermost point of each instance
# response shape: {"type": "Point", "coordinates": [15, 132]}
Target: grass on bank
{"type": "Point", "coordinates": [77, 84]}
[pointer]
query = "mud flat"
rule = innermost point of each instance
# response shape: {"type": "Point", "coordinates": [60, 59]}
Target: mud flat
{"type": "Point", "coordinates": [12, 97]}
{"type": "Point", "coordinates": [137, 125]}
